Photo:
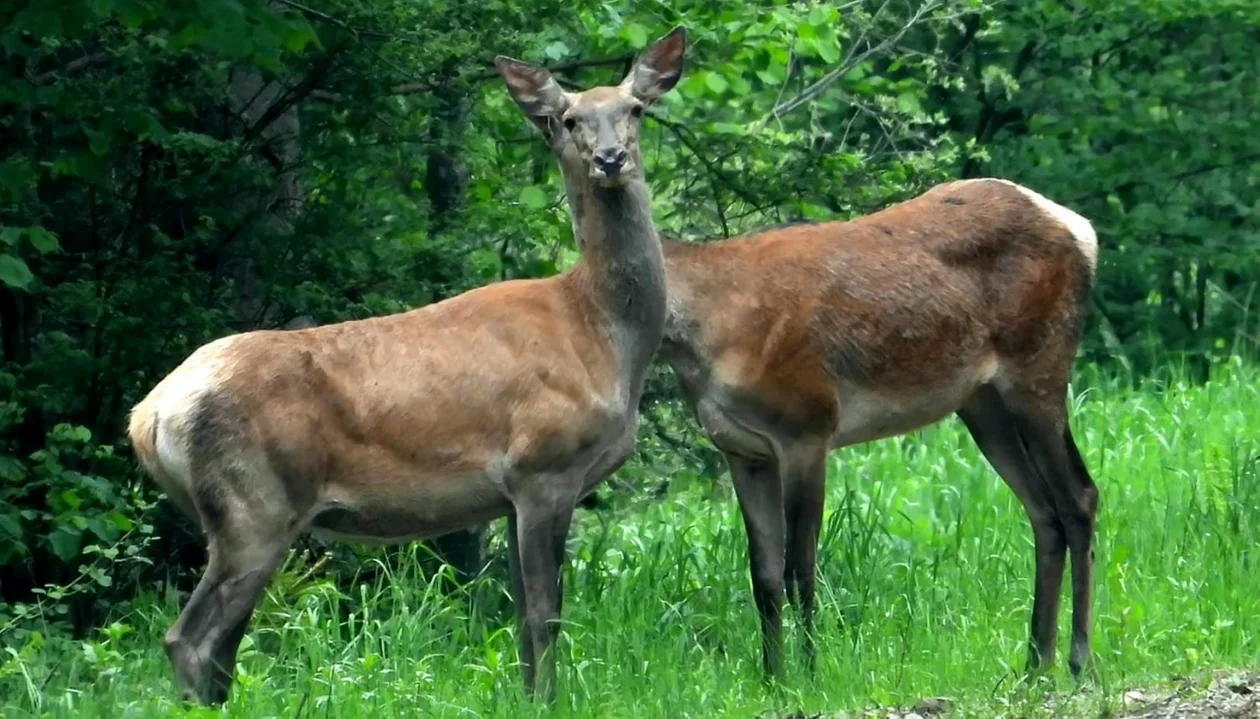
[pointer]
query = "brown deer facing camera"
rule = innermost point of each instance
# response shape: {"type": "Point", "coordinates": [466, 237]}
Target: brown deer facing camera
{"type": "Point", "coordinates": [967, 300]}
{"type": "Point", "coordinates": [514, 399]}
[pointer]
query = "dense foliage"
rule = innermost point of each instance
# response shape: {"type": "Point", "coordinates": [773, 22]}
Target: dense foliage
{"type": "Point", "coordinates": [176, 171]}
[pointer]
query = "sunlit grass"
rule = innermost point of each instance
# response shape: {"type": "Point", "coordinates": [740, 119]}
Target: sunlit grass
{"type": "Point", "coordinates": [926, 569]}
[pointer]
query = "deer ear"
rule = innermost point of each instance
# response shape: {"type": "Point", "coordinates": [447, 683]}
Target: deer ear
{"type": "Point", "coordinates": [533, 88]}
{"type": "Point", "coordinates": [659, 67]}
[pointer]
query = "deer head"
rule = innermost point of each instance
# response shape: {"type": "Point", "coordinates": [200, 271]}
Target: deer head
{"type": "Point", "coordinates": [596, 131]}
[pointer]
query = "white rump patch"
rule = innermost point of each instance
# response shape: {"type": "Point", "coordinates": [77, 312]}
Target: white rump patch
{"type": "Point", "coordinates": [179, 393]}
{"type": "Point", "coordinates": [1081, 229]}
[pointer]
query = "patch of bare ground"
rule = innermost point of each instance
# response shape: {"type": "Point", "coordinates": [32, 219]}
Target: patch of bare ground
{"type": "Point", "coordinates": [1229, 695]}
{"type": "Point", "coordinates": [925, 709]}
{"type": "Point", "coordinates": [1223, 695]}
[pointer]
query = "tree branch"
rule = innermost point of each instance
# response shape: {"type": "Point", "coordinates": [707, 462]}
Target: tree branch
{"type": "Point", "coordinates": [680, 132]}
{"type": "Point", "coordinates": [1203, 170]}
{"type": "Point", "coordinates": [96, 58]}
{"type": "Point", "coordinates": [814, 91]}
{"type": "Point", "coordinates": [312, 12]}
{"type": "Point", "coordinates": [571, 65]}
{"type": "Point", "coordinates": [294, 94]}
{"type": "Point", "coordinates": [417, 87]}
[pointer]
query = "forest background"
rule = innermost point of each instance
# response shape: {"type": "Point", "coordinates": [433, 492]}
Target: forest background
{"type": "Point", "coordinates": [171, 172]}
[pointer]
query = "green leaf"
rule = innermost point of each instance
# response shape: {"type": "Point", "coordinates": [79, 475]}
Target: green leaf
{"type": "Point", "coordinates": [716, 82]}
{"type": "Point", "coordinates": [636, 34]}
{"type": "Point", "coordinates": [71, 498]}
{"type": "Point", "coordinates": [556, 50]}
{"type": "Point", "coordinates": [15, 273]}
{"type": "Point", "coordinates": [486, 262]}
{"type": "Point", "coordinates": [822, 15]}
{"type": "Point", "coordinates": [299, 36]}
{"type": "Point", "coordinates": [727, 128]}
{"type": "Point", "coordinates": [98, 142]}
{"type": "Point", "coordinates": [533, 197]}
{"type": "Point", "coordinates": [828, 47]}
{"type": "Point", "coordinates": [10, 528]}
{"type": "Point", "coordinates": [774, 73]}
{"type": "Point", "coordinates": [909, 103]}
{"type": "Point", "coordinates": [121, 521]}
{"type": "Point", "coordinates": [65, 544]}
{"type": "Point", "coordinates": [42, 240]}
{"type": "Point", "coordinates": [10, 235]}
{"type": "Point", "coordinates": [814, 212]}
{"type": "Point", "coordinates": [188, 35]}
{"type": "Point", "coordinates": [104, 530]}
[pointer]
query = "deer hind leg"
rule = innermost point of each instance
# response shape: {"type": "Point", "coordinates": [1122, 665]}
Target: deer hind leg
{"type": "Point", "coordinates": [246, 546]}
{"type": "Point", "coordinates": [1041, 417]}
{"type": "Point", "coordinates": [759, 489]}
{"type": "Point", "coordinates": [804, 492]}
{"type": "Point", "coordinates": [992, 427]}
{"type": "Point", "coordinates": [1082, 504]}
{"type": "Point", "coordinates": [1039, 420]}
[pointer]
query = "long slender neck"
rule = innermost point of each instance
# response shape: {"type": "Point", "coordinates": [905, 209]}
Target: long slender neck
{"type": "Point", "coordinates": [624, 265]}
{"type": "Point", "coordinates": [577, 190]}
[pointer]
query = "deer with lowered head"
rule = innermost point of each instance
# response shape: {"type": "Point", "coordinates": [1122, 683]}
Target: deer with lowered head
{"type": "Point", "coordinates": [513, 399]}
{"type": "Point", "coordinates": [969, 299]}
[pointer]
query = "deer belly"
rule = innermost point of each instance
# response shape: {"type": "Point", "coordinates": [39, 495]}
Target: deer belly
{"type": "Point", "coordinates": [867, 415]}
{"type": "Point", "coordinates": [868, 412]}
{"type": "Point", "coordinates": [394, 514]}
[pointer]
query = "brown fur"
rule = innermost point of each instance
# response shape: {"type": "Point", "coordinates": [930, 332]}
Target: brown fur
{"type": "Point", "coordinates": [792, 316]}
{"type": "Point", "coordinates": [969, 299]}
{"type": "Point", "coordinates": [361, 410]}
{"type": "Point", "coordinates": [514, 399]}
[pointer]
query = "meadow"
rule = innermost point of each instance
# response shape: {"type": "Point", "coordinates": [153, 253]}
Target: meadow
{"type": "Point", "coordinates": [925, 591]}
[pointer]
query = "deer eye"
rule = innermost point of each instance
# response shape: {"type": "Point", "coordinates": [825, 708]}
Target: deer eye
{"type": "Point", "coordinates": [637, 111]}
{"type": "Point", "coordinates": [569, 123]}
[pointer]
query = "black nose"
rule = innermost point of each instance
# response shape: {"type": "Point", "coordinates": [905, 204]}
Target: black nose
{"type": "Point", "coordinates": [611, 160]}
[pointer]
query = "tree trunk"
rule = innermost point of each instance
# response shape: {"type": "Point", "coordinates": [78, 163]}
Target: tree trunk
{"type": "Point", "coordinates": [446, 184]}
{"type": "Point", "coordinates": [253, 100]}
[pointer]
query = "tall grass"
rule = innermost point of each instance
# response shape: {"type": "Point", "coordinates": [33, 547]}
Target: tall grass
{"type": "Point", "coordinates": [926, 576]}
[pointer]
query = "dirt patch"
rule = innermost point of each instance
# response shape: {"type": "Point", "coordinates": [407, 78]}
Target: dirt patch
{"type": "Point", "coordinates": [1224, 695]}
{"type": "Point", "coordinates": [1228, 696]}
{"type": "Point", "coordinates": [925, 709]}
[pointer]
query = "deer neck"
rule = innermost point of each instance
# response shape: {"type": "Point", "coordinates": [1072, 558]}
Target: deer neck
{"type": "Point", "coordinates": [576, 185]}
{"type": "Point", "coordinates": [624, 266]}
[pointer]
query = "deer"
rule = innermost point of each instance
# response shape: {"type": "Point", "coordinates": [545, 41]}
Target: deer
{"type": "Point", "coordinates": [515, 399]}
{"type": "Point", "coordinates": [968, 300]}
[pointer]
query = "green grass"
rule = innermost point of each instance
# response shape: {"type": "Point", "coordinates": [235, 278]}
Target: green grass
{"type": "Point", "coordinates": [926, 569]}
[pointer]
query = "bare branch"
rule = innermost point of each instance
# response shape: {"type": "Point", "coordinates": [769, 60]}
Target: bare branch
{"type": "Point", "coordinates": [417, 87]}
{"type": "Point", "coordinates": [571, 65]}
{"type": "Point", "coordinates": [1240, 161]}
{"type": "Point", "coordinates": [96, 58]}
{"type": "Point", "coordinates": [312, 12]}
{"type": "Point", "coordinates": [814, 91]}
{"type": "Point", "coordinates": [294, 94]}
{"type": "Point", "coordinates": [681, 132]}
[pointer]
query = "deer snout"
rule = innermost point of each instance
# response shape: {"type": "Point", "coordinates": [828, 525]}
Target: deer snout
{"type": "Point", "coordinates": [610, 160]}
